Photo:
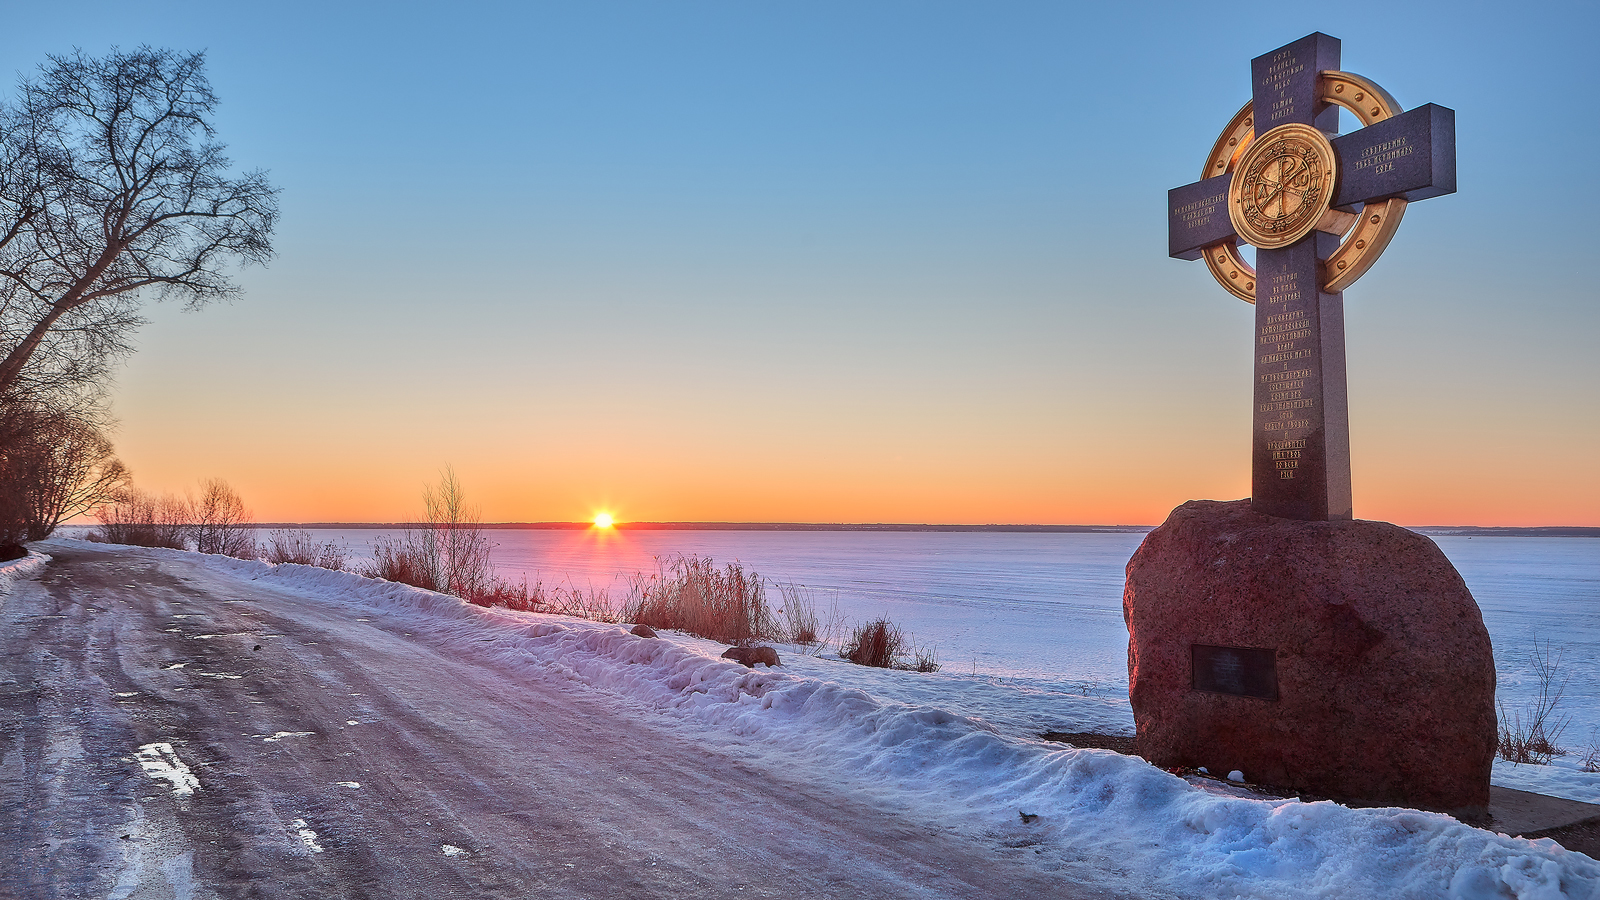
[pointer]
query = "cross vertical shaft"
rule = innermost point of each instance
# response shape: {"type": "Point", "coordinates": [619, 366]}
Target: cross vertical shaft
{"type": "Point", "coordinates": [1300, 453]}
{"type": "Point", "coordinates": [1300, 447]}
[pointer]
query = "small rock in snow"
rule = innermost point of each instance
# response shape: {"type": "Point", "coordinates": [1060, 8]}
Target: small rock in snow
{"type": "Point", "coordinates": [749, 656]}
{"type": "Point", "coordinates": [1236, 775]}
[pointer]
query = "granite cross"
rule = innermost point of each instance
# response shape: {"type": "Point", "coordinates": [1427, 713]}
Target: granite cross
{"type": "Point", "coordinates": [1295, 202]}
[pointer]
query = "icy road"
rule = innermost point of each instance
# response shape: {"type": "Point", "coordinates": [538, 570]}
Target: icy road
{"type": "Point", "coordinates": [170, 730]}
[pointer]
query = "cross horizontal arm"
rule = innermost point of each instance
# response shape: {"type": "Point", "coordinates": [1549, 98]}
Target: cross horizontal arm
{"type": "Point", "coordinates": [1411, 156]}
{"type": "Point", "coordinates": [1197, 216]}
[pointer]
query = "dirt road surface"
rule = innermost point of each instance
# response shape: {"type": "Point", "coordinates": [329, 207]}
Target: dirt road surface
{"type": "Point", "coordinates": [170, 732]}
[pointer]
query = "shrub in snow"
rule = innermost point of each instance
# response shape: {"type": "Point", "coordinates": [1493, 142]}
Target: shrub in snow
{"type": "Point", "coordinates": [145, 520]}
{"type": "Point", "coordinates": [882, 644]}
{"type": "Point", "coordinates": [298, 546]}
{"type": "Point", "coordinates": [1529, 735]}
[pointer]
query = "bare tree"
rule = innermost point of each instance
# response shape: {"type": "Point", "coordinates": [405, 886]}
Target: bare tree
{"type": "Point", "coordinates": [113, 187]}
{"type": "Point", "coordinates": [449, 552]}
{"type": "Point", "coordinates": [460, 544]}
{"type": "Point", "coordinates": [55, 465]}
{"type": "Point", "coordinates": [145, 520]}
{"type": "Point", "coordinates": [221, 523]}
{"type": "Point", "coordinates": [14, 432]}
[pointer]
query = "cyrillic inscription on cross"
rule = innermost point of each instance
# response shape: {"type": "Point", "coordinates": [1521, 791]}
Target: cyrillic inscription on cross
{"type": "Point", "coordinates": [1280, 179]}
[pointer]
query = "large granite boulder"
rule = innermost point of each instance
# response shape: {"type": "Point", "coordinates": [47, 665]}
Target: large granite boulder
{"type": "Point", "coordinates": [1384, 677]}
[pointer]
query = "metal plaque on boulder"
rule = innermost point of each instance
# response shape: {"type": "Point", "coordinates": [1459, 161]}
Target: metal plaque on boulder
{"type": "Point", "coordinates": [1241, 671]}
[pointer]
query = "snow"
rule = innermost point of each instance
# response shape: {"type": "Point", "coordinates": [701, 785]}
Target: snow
{"type": "Point", "coordinates": [308, 837]}
{"type": "Point", "coordinates": [1562, 777]}
{"type": "Point", "coordinates": [12, 569]}
{"type": "Point", "coordinates": [960, 750]}
{"type": "Point", "coordinates": [161, 762]}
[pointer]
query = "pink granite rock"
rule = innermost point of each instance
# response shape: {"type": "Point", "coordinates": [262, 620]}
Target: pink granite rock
{"type": "Point", "coordinates": [1385, 678]}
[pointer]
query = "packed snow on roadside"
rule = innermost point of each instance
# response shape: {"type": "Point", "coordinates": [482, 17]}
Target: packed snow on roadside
{"type": "Point", "coordinates": [12, 569]}
{"type": "Point", "coordinates": [961, 750]}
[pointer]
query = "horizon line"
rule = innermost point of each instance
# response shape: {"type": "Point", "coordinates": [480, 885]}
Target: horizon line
{"type": "Point", "coordinates": [1590, 531]}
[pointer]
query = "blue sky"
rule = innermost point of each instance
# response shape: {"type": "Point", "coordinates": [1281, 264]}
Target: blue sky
{"type": "Point", "coordinates": [885, 261]}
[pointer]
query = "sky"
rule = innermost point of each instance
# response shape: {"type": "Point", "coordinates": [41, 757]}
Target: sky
{"type": "Point", "coordinates": [840, 262]}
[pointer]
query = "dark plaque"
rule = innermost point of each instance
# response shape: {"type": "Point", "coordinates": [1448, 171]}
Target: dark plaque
{"type": "Point", "coordinates": [1241, 671]}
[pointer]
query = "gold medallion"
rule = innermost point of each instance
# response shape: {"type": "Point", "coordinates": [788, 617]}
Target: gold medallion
{"type": "Point", "coordinates": [1372, 230]}
{"type": "Point", "coordinates": [1282, 187]}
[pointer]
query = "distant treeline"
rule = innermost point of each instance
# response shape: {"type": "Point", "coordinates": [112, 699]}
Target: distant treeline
{"type": "Point", "coordinates": [1509, 531]}
{"type": "Point", "coordinates": [743, 526]}
{"type": "Point", "coordinates": [1436, 530]}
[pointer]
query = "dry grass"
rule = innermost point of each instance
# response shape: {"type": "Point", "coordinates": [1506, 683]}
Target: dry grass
{"type": "Point", "coordinates": [882, 644]}
{"type": "Point", "coordinates": [1529, 735]}
{"type": "Point", "coordinates": [448, 553]}
{"type": "Point", "coordinates": [408, 559]}
{"type": "Point", "coordinates": [1590, 761]}
{"type": "Point", "coordinates": [878, 643]}
{"type": "Point", "coordinates": [798, 616]}
{"type": "Point", "coordinates": [690, 594]}
{"type": "Point", "coordinates": [686, 593]}
{"type": "Point", "coordinates": [581, 603]}
{"type": "Point", "coordinates": [298, 546]}
{"type": "Point", "coordinates": [800, 622]}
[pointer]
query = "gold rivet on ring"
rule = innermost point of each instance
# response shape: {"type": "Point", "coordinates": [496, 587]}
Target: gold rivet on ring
{"type": "Point", "coordinates": [1251, 286]}
{"type": "Point", "coordinates": [1342, 264]}
{"type": "Point", "coordinates": [1338, 89]}
{"type": "Point", "coordinates": [1359, 98]}
{"type": "Point", "coordinates": [1374, 219]}
{"type": "Point", "coordinates": [1361, 245]}
{"type": "Point", "coordinates": [1375, 110]}
{"type": "Point", "coordinates": [1233, 274]}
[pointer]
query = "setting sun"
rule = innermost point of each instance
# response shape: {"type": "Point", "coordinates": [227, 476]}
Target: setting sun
{"type": "Point", "coordinates": [603, 520]}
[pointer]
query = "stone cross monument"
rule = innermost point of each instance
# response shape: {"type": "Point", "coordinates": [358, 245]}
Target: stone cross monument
{"type": "Point", "coordinates": [1293, 193]}
{"type": "Point", "coordinates": [1279, 636]}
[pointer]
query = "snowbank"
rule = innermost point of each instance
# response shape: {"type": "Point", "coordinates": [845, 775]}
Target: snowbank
{"type": "Point", "coordinates": [811, 720]}
{"type": "Point", "coordinates": [1562, 777]}
{"type": "Point", "coordinates": [12, 569]}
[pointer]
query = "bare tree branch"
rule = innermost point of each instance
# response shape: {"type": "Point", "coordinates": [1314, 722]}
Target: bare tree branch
{"type": "Point", "coordinates": [113, 188]}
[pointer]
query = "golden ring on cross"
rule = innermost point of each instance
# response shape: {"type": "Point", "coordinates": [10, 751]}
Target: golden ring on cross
{"type": "Point", "coordinates": [1364, 236]}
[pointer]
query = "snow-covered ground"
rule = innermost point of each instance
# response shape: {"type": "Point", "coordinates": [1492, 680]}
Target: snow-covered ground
{"type": "Point", "coordinates": [1036, 619]}
{"type": "Point", "coordinates": [961, 748]}
{"type": "Point", "coordinates": [12, 569]}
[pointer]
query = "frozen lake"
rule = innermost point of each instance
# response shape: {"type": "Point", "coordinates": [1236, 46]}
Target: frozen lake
{"type": "Point", "coordinates": [1045, 610]}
